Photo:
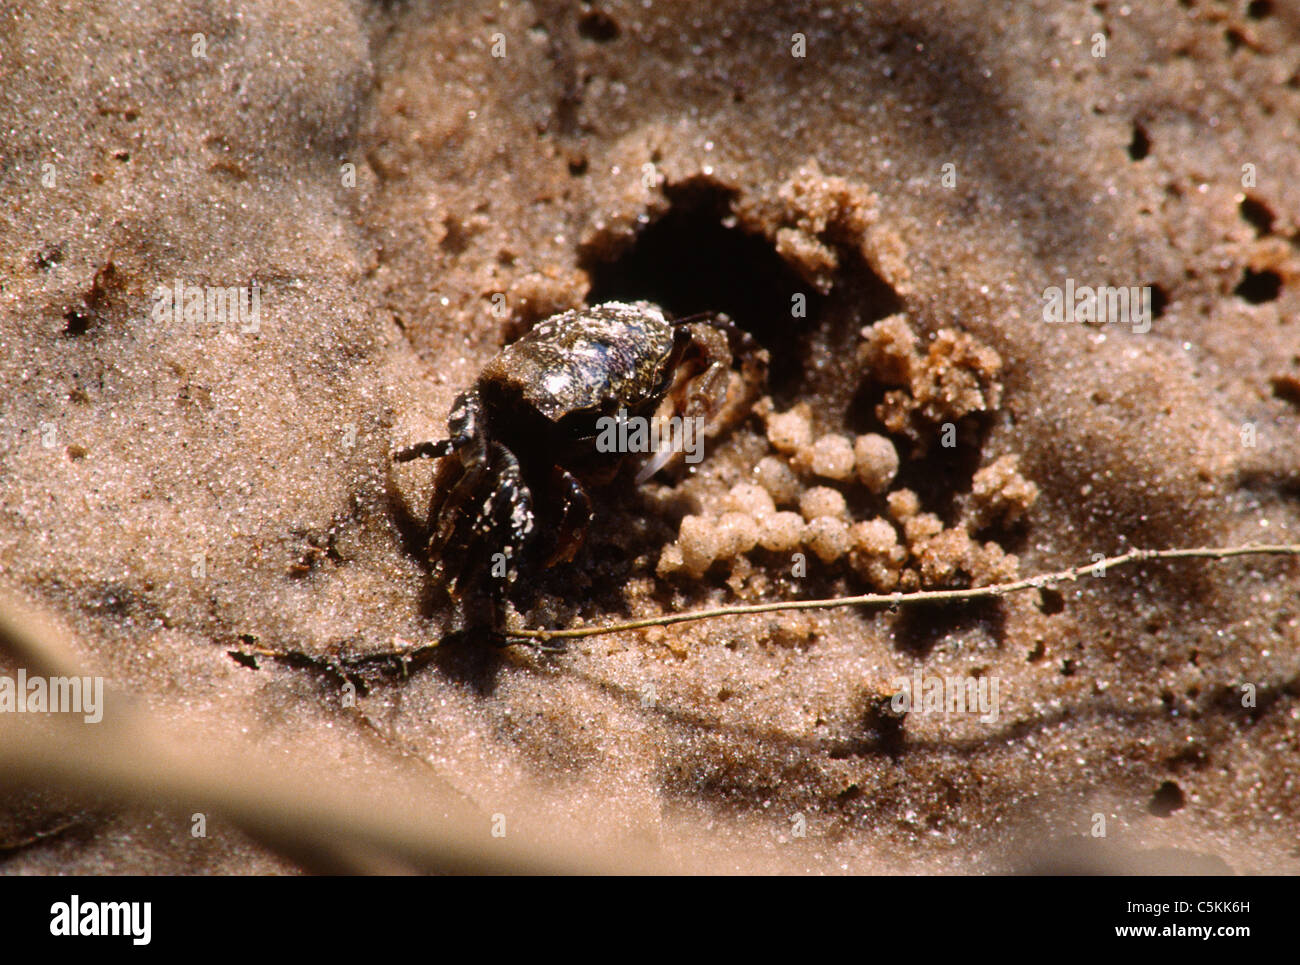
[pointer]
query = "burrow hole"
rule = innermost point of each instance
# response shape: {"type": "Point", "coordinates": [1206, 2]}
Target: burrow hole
{"type": "Point", "coordinates": [1258, 287]}
{"type": "Point", "coordinates": [1167, 799]}
{"type": "Point", "coordinates": [1258, 215]}
{"type": "Point", "coordinates": [692, 260]}
{"type": "Point", "coordinates": [1140, 146]}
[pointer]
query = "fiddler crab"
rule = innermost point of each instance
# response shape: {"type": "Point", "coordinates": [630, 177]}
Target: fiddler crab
{"type": "Point", "coordinates": [510, 494]}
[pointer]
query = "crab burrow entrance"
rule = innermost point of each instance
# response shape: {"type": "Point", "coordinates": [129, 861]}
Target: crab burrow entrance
{"type": "Point", "coordinates": [697, 258]}
{"type": "Point", "coordinates": [866, 460]}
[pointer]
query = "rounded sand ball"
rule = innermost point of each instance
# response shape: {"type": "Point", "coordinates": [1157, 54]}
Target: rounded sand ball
{"type": "Point", "coordinates": [874, 537]}
{"type": "Point", "coordinates": [828, 536]}
{"type": "Point", "coordinates": [903, 504]}
{"type": "Point", "coordinates": [737, 534]}
{"type": "Point", "coordinates": [777, 478]}
{"type": "Point", "coordinates": [699, 540]}
{"type": "Point", "coordinates": [822, 501]}
{"type": "Point", "coordinates": [877, 461]}
{"type": "Point", "coordinates": [789, 431]}
{"type": "Point", "coordinates": [832, 457]}
{"type": "Point", "coordinates": [921, 527]}
{"type": "Point", "coordinates": [781, 532]}
{"type": "Point", "coordinates": [880, 573]}
{"type": "Point", "coordinates": [751, 499]}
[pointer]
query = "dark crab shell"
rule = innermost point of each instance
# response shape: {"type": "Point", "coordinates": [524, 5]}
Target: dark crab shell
{"type": "Point", "coordinates": [510, 498]}
{"type": "Point", "coordinates": [590, 359]}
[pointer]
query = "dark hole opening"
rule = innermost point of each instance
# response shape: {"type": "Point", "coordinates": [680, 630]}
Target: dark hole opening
{"type": "Point", "coordinates": [598, 26]}
{"type": "Point", "coordinates": [79, 319]}
{"type": "Point", "coordinates": [1167, 799]}
{"type": "Point", "coordinates": [49, 257]}
{"type": "Point", "coordinates": [1140, 146]}
{"type": "Point", "coordinates": [1258, 287]}
{"type": "Point", "coordinates": [76, 322]}
{"type": "Point", "coordinates": [887, 725]}
{"type": "Point", "coordinates": [1259, 9]}
{"type": "Point", "coordinates": [1159, 299]}
{"type": "Point", "coordinates": [1258, 214]}
{"type": "Point", "coordinates": [456, 240]}
{"type": "Point", "coordinates": [919, 629]}
{"type": "Point", "coordinates": [689, 261]}
{"type": "Point", "coordinates": [941, 474]}
{"type": "Point", "coordinates": [1050, 601]}
{"type": "Point", "coordinates": [1286, 388]}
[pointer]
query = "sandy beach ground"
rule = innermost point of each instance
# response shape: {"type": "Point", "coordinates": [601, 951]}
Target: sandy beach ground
{"type": "Point", "coordinates": [396, 190]}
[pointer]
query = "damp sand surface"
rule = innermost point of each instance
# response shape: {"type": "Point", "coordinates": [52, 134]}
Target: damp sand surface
{"type": "Point", "coordinates": [408, 188]}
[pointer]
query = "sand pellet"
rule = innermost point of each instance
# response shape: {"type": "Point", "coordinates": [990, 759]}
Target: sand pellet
{"type": "Point", "coordinates": [822, 501]}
